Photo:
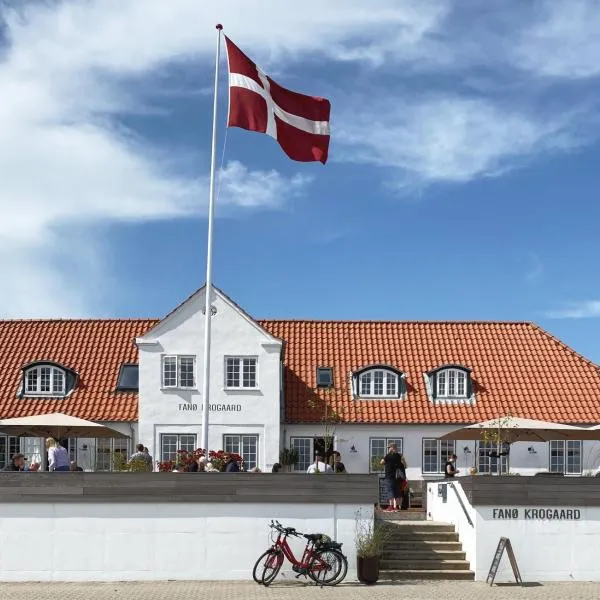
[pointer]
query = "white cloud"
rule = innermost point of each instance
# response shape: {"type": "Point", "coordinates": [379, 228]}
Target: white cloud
{"type": "Point", "coordinates": [584, 309]}
{"type": "Point", "coordinates": [564, 42]}
{"type": "Point", "coordinates": [447, 138]}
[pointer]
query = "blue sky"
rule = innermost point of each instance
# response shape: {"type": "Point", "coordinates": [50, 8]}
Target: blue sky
{"type": "Point", "coordinates": [462, 181]}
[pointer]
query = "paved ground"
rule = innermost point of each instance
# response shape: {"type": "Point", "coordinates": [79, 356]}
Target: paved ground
{"type": "Point", "coordinates": [295, 591]}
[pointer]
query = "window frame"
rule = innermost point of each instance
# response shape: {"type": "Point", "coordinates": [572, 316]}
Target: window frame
{"type": "Point", "coordinates": [387, 441]}
{"type": "Point", "coordinates": [311, 451]}
{"type": "Point", "coordinates": [240, 436]}
{"type": "Point", "coordinates": [178, 358]}
{"type": "Point", "coordinates": [502, 461]}
{"type": "Point", "coordinates": [371, 372]}
{"type": "Point", "coordinates": [100, 450]}
{"type": "Point", "coordinates": [38, 393]}
{"type": "Point", "coordinates": [440, 466]}
{"type": "Point", "coordinates": [178, 443]}
{"type": "Point", "coordinates": [330, 383]}
{"type": "Point", "coordinates": [457, 373]}
{"type": "Point", "coordinates": [123, 388]}
{"type": "Point", "coordinates": [240, 364]}
{"type": "Point", "coordinates": [563, 444]}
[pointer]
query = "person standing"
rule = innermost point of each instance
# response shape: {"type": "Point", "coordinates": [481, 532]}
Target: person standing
{"type": "Point", "coordinates": [338, 465]}
{"type": "Point", "coordinates": [392, 462]}
{"type": "Point", "coordinates": [402, 486]}
{"type": "Point", "coordinates": [231, 466]}
{"type": "Point", "coordinates": [450, 469]}
{"type": "Point", "coordinates": [58, 457]}
{"type": "Point", "coordinates": [141, 457]}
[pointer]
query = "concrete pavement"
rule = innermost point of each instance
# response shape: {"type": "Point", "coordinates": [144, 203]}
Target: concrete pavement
{"type": "Point", "coordinates": [294, 591]}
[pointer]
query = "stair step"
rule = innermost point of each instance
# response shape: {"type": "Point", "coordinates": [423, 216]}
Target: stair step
{"type": "Point", "coordinates": [418, 545]}
{"type": "Point", "coordinates": [418, 537]}
{"type": "Point", "coordinates": [412, 554]}
{"type": "Point", "coordinates": [426, 575]}
{"type": "Point", "coordinates": [424, 565]}
{"type": "Point", "coordinates": [426, 527]}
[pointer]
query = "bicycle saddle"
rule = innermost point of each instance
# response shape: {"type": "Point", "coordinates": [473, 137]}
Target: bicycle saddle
{"type": "Point", "coordinates": [313, 537]}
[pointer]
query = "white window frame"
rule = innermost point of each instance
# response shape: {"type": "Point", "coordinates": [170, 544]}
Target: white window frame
{"type": "Point", "coordinates": [562, 447]}
{"type": "Point", "coordinates": [54, 372]}
{"type": "Point", "coordinates": [240, 444]}
{"type": "Point", "coordinates": [302, 468]}
{"type": "Point", "coordinates": [104, 447]}
{"type": "Point", "coordinates": [386, 442]}
{"type": "Point", "coordinates": [178, 359]}
{"type": "Point", "coordinates": [178, 443]}
{"type": "Point", "coordinates": [370, 373]}
{"type": "Point", "coordinates": [484, 462]}
{"type": "Point", "coordinates": [443, 384]}
{"type": "Point", "coordinates": [441, 462]}
{"type": "Point", "coordinates": [240, 364]}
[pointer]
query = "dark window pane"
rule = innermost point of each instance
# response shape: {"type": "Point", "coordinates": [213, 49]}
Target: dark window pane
{"type": "Point", "coordinates": [128, 378]}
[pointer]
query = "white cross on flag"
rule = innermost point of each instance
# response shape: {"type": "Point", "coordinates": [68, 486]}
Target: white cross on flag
{"type": "Point", "coordinates": [257, 103]}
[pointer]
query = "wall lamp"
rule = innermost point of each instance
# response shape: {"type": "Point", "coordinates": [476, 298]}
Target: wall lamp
{"type": "Point", "coordinates": [467, 450]}
{"type": "Point", "coordinates": [353, 449]}
{"type": "Point", "coordinates": [531, 450]}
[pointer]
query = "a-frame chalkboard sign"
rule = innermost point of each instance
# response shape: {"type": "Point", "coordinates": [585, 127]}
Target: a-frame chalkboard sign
{"type": "Point", "coordinates": [504, 543]}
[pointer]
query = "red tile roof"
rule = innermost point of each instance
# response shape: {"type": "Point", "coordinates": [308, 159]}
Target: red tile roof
{"type": "Point", "coordinates": [518, 368]}
{"type": "Point", "coordinates": [93, 348]}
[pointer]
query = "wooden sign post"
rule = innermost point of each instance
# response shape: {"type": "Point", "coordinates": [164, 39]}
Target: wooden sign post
{"type": "Point", "coordinates": [502, 544]}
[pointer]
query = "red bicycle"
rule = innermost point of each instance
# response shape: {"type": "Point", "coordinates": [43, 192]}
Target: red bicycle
{"type": "Point", "coordinates": [322, 559]}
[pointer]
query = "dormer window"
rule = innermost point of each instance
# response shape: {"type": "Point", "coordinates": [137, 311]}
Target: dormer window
{"type": "Point", "coordinates": [450, 384]}
{"type": "Point", "coordinates": [377, 382]}
{"type": "Point", "coordinates": [46, 380]}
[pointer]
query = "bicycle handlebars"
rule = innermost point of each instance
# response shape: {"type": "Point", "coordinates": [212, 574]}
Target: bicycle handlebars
{"type": "Point", "coordinates": [285, 530]}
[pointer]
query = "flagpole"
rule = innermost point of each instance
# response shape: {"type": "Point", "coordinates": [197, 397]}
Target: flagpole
{"type": "Point", "coordinates": [208, 290]}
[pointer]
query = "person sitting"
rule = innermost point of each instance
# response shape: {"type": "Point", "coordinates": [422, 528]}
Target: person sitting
{"type": "Point", "coordinates": [319, 466]}
{"type": "Point", "coordinates": [33, 467]}
{"type": "Point", "coordinates": [58, 457]}
{"type": "Point", "coordinates": [231, 466]}
{"type": "Point", "coordinates": [17, 463]}
{"type": "Point", "coordinates": [276, 468]}
{"type": "Point", "coordinates": [74, 466]}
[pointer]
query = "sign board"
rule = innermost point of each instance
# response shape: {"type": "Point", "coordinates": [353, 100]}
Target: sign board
{"type": "Point", "coordinates": [503, 544]}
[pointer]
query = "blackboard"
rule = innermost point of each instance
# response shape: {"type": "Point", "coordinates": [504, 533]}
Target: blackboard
{"type": "Point", "coordinates": [504, 544]}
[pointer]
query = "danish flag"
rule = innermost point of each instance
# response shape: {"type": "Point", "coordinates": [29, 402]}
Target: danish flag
{"type": "Point", "coordinates": [257, 103]}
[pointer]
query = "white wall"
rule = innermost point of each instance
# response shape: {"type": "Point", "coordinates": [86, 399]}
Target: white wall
{"type": "Point", "coordinates": [345, 436]}
{"type": "Point", "coordinates": [546, 549]}
{"type": "Point", "coordinates": [234, 334]}
{"type": "Point", "coordinates": [451, 512]}
{"type": "Point", "coordinates": [144, 541]}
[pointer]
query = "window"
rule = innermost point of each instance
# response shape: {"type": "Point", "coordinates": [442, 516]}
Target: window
{"type": "Point", "coordinates": [452, 383]}
{"type": "Point", "coordinates": [324, 377]}
{"type": "Point", "coordinates": [45, 380]}
{"type": "Point", "coordinates": [240, 372]}
{"type": "Point", "coordinates": [170, 443]}
{"type": "Point", "coordinates": [378, 383]}
{"type": "Point", "coordinates": [179, 372]}
{"type": "Point", "coordinates": [9, 446]}
{"type": "Point", "coordinates": [489, 464]}
{"type": "Point", "coordinates": [129, 378]}
{"type": "Point", "coordinates": [106, 450]}
{"type": "Point", "coordinates": [244, 445]}
{"type": "Point", "coordinates": [435, 455]}
{"type": "Point", "coordinates": [304, 447]}
{"type": "Point", "coordinates": [378, 449]}
{"type": "Point", "coordinates": [565, 457]}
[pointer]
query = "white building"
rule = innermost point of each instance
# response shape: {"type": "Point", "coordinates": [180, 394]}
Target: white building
{"type": "Point", "coordinates": [282, 384]}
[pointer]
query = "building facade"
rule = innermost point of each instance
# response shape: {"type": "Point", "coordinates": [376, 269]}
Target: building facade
{"type": "Point", "coordinates": [307, 385]}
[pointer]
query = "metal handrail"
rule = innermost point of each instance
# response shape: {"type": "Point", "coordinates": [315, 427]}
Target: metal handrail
{"type": "Point", "coordinates": [462, 504]}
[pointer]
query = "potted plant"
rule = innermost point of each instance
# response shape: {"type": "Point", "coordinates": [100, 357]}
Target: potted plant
{"type": "Point", "coordinates": [288, 457]}
{"type": "Point", "coordinates": [370, 539]}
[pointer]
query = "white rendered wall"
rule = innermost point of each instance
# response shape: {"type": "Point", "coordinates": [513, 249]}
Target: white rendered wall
{"type": "Point", "coordinates": [180, 411]}
{"type": "Point", "coordinates": [144, 541]}
{"type": "Point", "coordinates": [345, 436]}
{"type": "Point", "coordinates": [452, 512]}
{"type": "Point", "coordinates": [546, 549]}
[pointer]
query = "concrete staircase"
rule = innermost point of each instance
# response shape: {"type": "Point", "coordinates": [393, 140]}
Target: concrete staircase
{"type": "Point", "coordinates": [422, 550]}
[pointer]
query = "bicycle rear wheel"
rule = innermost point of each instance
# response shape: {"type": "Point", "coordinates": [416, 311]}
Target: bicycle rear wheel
{"type": "Point", "coordinates": [272, 566]}
{"type": "Point", "coordinates": [328, 567]}
{"type": "Point", "coordinates": [259, 566]}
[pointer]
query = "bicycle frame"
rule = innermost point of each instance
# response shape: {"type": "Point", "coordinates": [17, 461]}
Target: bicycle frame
{"type": "Point", "coordinates": [309, 550]}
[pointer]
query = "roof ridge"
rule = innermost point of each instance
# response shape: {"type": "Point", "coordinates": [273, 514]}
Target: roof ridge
{"type": "Point", "coordinates": [564, 346]}
{"type": "Point", "coordinates": [392, 321]}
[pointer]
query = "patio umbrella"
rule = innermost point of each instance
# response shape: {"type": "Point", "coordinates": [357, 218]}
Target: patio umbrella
{"type": "Point", "coordinates": [58, 426]}
{"type": "Point", "coordinates": [516, 429]}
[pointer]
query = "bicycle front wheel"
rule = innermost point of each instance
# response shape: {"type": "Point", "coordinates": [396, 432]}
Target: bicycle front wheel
{"type": "Point", "coordinates": [272, 566]}
{"type": "Point", "coordinates": [328, 567]}
{"type": "Point", "coordinates": [260, 565]}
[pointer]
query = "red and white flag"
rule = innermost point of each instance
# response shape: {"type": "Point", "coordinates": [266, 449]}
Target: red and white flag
{"type": "Point", "coordinates": [299, 123]}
